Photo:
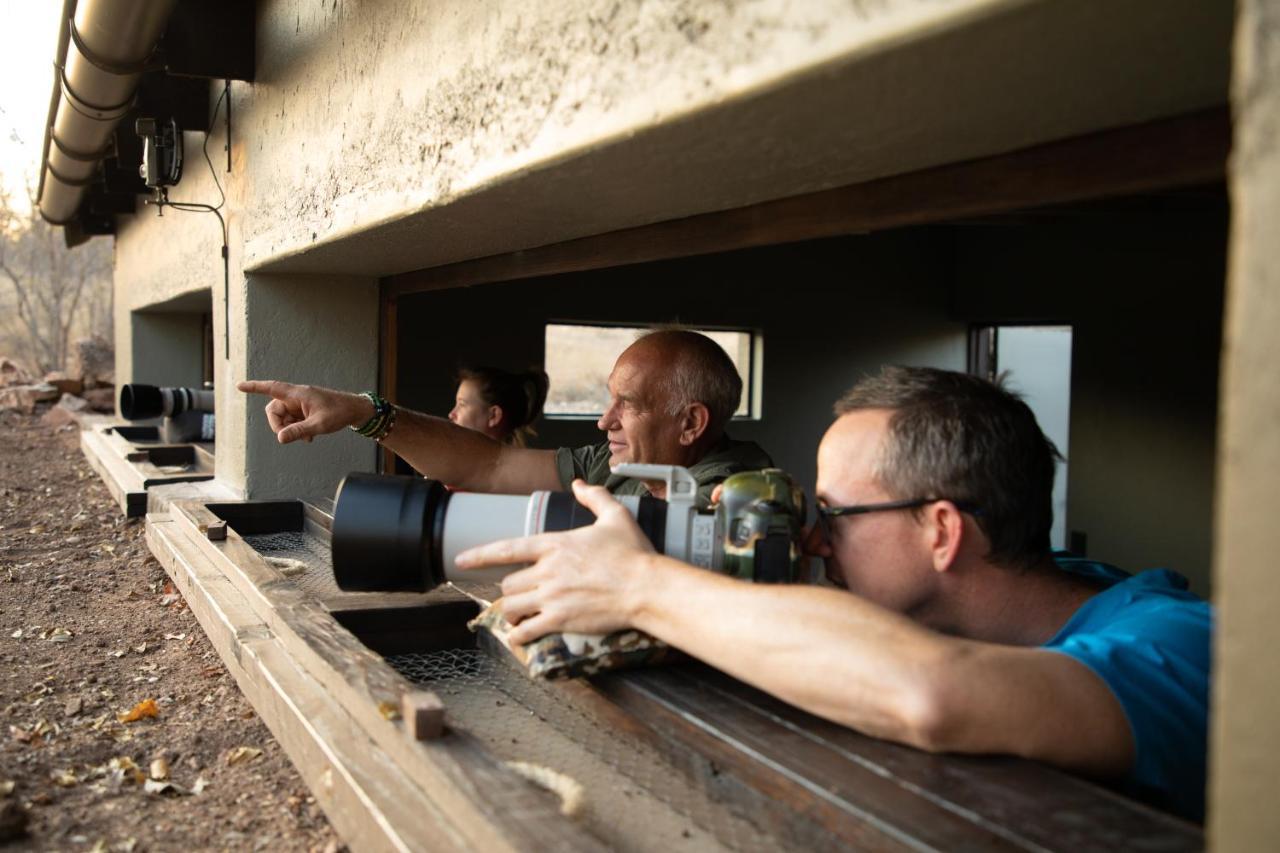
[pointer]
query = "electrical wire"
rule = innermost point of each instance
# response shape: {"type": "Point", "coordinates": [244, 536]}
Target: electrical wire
{"type": "Point", "coordinates": [162, 201]}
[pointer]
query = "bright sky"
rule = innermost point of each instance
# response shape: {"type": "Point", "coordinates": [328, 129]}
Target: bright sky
{"type": "Point", "coordinates": [28, 42]}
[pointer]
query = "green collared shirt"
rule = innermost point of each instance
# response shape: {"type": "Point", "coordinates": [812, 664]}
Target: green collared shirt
{"type": "Point", "coordinates": [591, 463]}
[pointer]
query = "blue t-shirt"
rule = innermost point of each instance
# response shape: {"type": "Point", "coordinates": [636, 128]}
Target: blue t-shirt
{"type": "Point", "coordinates": [1147, 637]}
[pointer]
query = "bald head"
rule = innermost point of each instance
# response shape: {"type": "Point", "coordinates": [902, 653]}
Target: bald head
{"type": "Point", "coordinates": [686, 367]}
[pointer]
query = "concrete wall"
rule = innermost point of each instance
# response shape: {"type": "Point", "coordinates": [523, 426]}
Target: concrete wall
{"type": "Point", "coordinates": [398, 135]}
{"type": "Point", "coordinates": [1245, 753]}
{"type": "Point", "coordinates": [307, 329]}
{"type": "Point", "coordinates": [168, 348]}
{"type": "Point", "coordinates": [1141, 284]}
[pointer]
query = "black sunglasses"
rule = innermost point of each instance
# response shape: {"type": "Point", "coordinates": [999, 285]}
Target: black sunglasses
{"type": "Point", "coordinates": [826, 513]}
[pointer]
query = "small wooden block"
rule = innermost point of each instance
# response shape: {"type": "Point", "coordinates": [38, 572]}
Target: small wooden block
{"type": "Point", "coordinates": [216, 531]}
{"type": "Point", "coordinates": [423, 714]}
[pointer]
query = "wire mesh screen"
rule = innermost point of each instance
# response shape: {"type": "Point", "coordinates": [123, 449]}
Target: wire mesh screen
{"type": "Point", "coordinates": [631, 796]}
{"type": "Point", "coordinates": [300, 556]}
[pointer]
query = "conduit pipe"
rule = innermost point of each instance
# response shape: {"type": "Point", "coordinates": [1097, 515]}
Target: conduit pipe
{"type": "Point", "coordinates": [102, 51]}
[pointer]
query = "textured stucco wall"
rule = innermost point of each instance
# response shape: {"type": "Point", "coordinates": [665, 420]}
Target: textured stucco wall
{"type": "Point", "coordinates": [1246, 722]}
{"type": "Point", "coordinates": [168, 274]}
{"type": "Point", "coordinates": [446, 130]}
{"type": "Point", "coordinates": [306, 329]}
{"type": "Point", "coordinates": [161, 258]}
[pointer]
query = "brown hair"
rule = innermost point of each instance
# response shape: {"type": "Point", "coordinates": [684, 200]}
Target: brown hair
{"type": "Point", "coordinates": [970, 441]}
{"type": "Point", "coordinates": [519, 395]}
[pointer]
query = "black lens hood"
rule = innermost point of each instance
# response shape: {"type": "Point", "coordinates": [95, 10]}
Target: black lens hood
{"type": "Point", "coordinates": [386, 533]}
{"type": "Point", "coordinates": [140, 401]}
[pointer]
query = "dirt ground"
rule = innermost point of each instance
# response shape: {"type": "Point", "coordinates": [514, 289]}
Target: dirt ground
{"type": "Point", "coordinates": [91, 629]}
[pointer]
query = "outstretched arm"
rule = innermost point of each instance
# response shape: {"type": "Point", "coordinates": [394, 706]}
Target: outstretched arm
{"type": "Point", "coordinates": [824, 650]}
{"type": "Point", "coordinates": [434, 446]}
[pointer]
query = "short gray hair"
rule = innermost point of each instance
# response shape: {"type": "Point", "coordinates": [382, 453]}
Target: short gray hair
{"type": "Point", "coordinates": [701, 372]}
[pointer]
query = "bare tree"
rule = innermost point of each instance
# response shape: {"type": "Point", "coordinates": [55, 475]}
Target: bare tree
{"type": "Point", "coordinates": [52, 286]}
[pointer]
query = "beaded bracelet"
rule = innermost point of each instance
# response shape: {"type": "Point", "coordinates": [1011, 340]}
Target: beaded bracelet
{"type": "Point", "coordinates": [384, 418]}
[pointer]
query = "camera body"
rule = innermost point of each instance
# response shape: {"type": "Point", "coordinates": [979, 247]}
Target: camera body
{"type": "Point", "coordinates": [404, 533]}
{"type": "Point", "coordinates": [187, 412]}
{"type": "Point", "coordinates": [161, 152]}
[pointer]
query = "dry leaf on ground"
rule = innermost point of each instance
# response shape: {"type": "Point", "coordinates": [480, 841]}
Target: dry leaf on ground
{"type": "Point", "coordinates": [241, 754]}
{"type": "Point", "coordinates": [145, 708]}
{"type": "Point", "coordinates": [123, 769]}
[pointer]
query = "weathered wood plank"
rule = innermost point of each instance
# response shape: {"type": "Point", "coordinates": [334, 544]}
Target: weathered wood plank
{"type": "Point", "coordinates": [1035, 806]}
{"type": "Point", "coordinates": [371, 804]}
{"type": "Point", "coordinates": [121, 479]}
{"type": "Point", "coordinates": [732, 784]}
{"type": "Point", "coordinates": [129, 472]}
{"type": "Point", "coordinates": [494, 808]}
{"type": "Point", "coordinates": [796, 779]}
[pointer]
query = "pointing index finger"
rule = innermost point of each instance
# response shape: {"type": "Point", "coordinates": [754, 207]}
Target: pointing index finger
{"type": "Point", "coordinates": [271, 388]}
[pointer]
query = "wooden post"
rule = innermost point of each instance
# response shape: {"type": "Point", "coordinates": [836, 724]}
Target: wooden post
{"type": "Point", "coordinates": [1245, 746]}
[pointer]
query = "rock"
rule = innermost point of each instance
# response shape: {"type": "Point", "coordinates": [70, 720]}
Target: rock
{"type": "Point", "coordinates": [24, 397]}
{"type": "Point", "coordinates": [65, 412]}
{"type": "Point", "coordinates": [72, 403]}
{"type": "Point", "coordinates": [93, 361]}
{"type": "Point", "coordinates": [73, 706]}
{"type": "Point", "coordinates": [13, 373]}
{"type": "Point", "coordinates": [57, 418]}
{"type": "Point", "coordinates": [102, 399]}
{"type": "Point", "coordinates": [63, 382]}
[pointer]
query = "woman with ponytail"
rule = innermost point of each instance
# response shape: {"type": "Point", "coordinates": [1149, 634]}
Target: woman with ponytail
{"type": "Point", "coordinates": [500, 404]}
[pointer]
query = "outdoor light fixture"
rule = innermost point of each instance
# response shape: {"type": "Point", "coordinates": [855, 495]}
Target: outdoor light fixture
{"type": "Point", "coordinates": [161, 152]}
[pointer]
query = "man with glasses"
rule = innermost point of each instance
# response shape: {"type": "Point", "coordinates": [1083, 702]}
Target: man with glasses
{"type": "Point", "coordinates": [956, 628]}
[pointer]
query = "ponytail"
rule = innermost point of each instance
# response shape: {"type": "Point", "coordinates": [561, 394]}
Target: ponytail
{"type": "Point", "coordinates": [519, 395]}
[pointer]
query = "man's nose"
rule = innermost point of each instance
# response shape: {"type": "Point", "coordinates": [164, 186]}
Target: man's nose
{"type": "Point", "coordinates": [453, 414]}
{"type": "Point", "coordinates": [609, 419]}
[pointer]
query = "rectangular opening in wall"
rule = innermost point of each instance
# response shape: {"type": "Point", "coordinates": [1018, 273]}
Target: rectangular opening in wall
{"type": "Point", "coordinates": [1035, 362]}
{"type": "Point", "coordinates": [580, 356]}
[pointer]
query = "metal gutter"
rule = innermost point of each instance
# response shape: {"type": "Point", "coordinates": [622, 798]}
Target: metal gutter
{"type": "Point", "coordinates": [103, 48]}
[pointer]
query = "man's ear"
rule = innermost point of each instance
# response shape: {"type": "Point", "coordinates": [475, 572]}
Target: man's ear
{"type": "Point", "coordinates": [944, 527]}
{"type": "Point", "coordinates": [696, 419]}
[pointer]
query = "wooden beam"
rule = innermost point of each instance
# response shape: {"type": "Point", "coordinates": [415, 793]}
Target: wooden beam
{"type": "Point", "coordinates": [1016, 803]}
{"type": "Point", "coordinates": [129, 471]}
{"type": "Point", "coordinates": [1159, 155]}
{"type": "Point", "coordinates": [492, 807]}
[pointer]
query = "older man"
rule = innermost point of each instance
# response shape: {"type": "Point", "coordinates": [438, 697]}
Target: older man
{"type": "Point", "coordinates": [959, 630]}
{"type": "Point", "coordinates": [672, 394]}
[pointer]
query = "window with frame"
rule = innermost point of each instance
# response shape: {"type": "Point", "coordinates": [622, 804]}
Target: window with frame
{"type": "Point", "coordinates": [579, 357]}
